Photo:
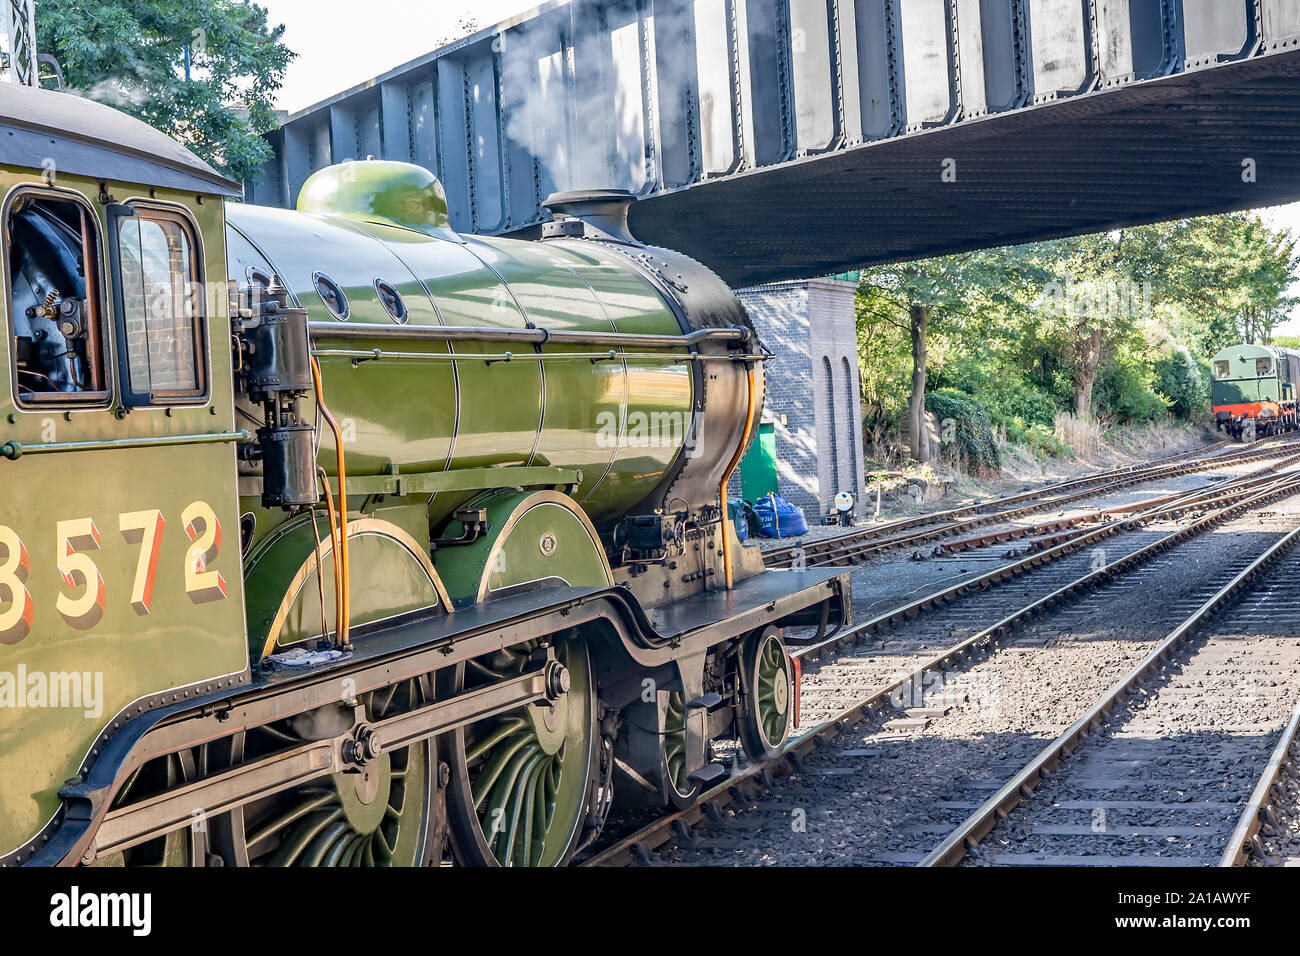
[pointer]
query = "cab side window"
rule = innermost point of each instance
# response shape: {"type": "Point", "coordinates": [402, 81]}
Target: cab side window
{"type": "Point", "coordinates": [161, 324]}
{"type": "Point", "coordinates": [56, 316]}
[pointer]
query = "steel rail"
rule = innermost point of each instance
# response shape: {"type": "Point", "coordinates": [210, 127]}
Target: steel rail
{"type": "Point", "coordinates": [952, 850]}
{"type": "Point", "coordinates": [935, 516]}
{"type": "Point", "coordinates": [636, 847]}
{"type": "Point", "coordinates": [830, 551]}
{"type": "Point", "coordinates": [944, 595]}
{"type": "Point", "coordinates": [1245, 837]}
{"type": "Point", "coordinates": [1064, 528]}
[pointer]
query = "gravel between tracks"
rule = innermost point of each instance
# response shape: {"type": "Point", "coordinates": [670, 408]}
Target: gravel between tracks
{"type": "Point", "coordinates": [1166, 778]}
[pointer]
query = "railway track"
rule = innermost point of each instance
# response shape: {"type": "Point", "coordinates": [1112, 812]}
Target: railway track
{"type": "Point", "coordinates": [1157, 770]}
{"type": "Point", "coordinates": [894, 694]}
{"type": "Point", "coordinates": [854, 545]}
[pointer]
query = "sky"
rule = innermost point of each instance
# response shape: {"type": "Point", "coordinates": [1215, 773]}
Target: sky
{"type": "Point", "coordinates": [337, 49]}
{"type": "Point", "coordinates": [341, 43]}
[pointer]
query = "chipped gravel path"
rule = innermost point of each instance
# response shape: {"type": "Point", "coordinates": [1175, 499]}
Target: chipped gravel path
{"type": "Point", "coordinates": [882, 796]}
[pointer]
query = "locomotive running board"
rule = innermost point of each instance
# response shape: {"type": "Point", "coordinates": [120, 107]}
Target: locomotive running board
{"type": "Point", "coordinates": [404, 652]}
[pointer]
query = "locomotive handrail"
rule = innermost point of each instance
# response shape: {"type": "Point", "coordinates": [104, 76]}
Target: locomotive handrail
{"type": "Point", "coordinates": [458, 479]}
{"type": "Point", "coordinates": [13, 450]}
{"type": "Point", "coordinates": [470, 333]}
{"type": "Point", "coordinates": [374, 355]}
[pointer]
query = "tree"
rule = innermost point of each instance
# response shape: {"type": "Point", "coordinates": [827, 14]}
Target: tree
{"type": "Point", "coordinates": [203, 71]}
{"type": "Point", "coordinates": [1117, 326]}
{"type": "Point", "coordinates": [953, 290]}
{"type": "Point", "coordinates": [918, 327]}
{"type": "Point", "coordinates": [1089, 301]}
{"type": "Point", "coordinates": [1227, 275]}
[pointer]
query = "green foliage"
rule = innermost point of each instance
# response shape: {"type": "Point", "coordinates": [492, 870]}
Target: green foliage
{"type": "Point", "coordinates": [965, 430]}
{"type": "Point", "coordinates": [203, 71]}
{"type": "Point", "coordinates": [1009, 398]}
{"type": "Point", "coordinates": [1039, 439]}
{"type": "Point", "coordinates": [1183, 381]}
{"type": "Point", "coordinates": [1127, 390]}
{"type": "Point", "coordinates": [1116, 326]}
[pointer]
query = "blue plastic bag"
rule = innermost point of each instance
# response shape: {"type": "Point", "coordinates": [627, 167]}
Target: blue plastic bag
{"type": "Point", "coordinates": [778, 518]}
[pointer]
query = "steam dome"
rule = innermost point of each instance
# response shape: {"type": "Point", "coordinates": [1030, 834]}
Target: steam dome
{"type": "Point", "coordinates": [382, 191]}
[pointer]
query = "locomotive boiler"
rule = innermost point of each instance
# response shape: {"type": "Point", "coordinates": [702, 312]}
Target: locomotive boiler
{"type": "Point", "coordinates": [334, 537]}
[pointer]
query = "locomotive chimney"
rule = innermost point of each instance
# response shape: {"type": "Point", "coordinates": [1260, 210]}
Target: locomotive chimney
{"type": "Point", "coordinates": [603, 212]}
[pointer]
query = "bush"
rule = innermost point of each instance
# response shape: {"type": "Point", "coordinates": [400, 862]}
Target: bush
{"type": "Point", "coordinates": [1082, 435]}
{"type": "Point", "coordinates": [1182, 381]}
{"type": "Point", "coordinates": [1010, 400]}
{"type": "Point", "coordinates": [1126, 391]}
{"type": "Point", "coordinates": [1040, 439]}
{"type": "Point", "coordinates": [965, 430]}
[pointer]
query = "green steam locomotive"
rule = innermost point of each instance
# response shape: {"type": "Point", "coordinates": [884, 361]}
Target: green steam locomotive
{"type": "Point", "coordinates": [333, 537]}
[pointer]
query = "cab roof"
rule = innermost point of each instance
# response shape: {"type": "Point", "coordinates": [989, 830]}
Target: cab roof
{"type": "Point", "coordinates": [86, 138]}
{"type": "Point", "coordinates": [1252, 351]}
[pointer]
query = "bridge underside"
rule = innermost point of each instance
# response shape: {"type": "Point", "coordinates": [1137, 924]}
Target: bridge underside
{"type": "Point", "coordinates": [1180, 146]}
{"type": "Point", "coordinates": [781, 139]}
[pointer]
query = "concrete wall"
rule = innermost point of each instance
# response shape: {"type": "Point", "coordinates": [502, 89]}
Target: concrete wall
{"type": "Point", "coordinates": [813, 390]}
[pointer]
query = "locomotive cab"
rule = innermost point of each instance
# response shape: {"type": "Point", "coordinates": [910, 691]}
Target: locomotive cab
{"type": "Point", "coordinates": [120, 588]}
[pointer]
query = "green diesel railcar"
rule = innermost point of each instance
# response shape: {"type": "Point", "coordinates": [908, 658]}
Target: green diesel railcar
{"type": "Point", "coordinates": [328, 532]}
{"type": "Point", "coordinates": [1253, 390]}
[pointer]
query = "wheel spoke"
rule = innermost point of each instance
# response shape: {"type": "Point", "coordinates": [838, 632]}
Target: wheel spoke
{"type": "Point", "coordinates": [530, 812]}
{"type": "Point", "coordinates": [291, 815]}
{"type": "Point", "coordinates": [507, 727]}
{"type": "Point", "coordinates": [506, 850]}
{"type": "Point", "coordinates": [326, 823]}
{"type": "Point", "coordinates": [540, 817]}
{"type": "Point", "coordinates": [324, 841]}
{"type": "Point", "coordinates": [519, 785]}
{"type": "Point", "coordinates": [303, 834]}
{"type": "Point", "coordinates": [502, 758]}
{"type": "Point", "coordinates": [353, 854]}
{"type": "Point", "coordinates": [383, 850]}
{"type": "Point", "coordinates": [381, 700]}
{"type": "Point", "coordinates": [505, 786]}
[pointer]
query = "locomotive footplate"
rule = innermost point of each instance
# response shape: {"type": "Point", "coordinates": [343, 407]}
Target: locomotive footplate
{"type": "Point", "coordinates": [89, 826]}
{"type": "Point", "coordinates": [753, 601]}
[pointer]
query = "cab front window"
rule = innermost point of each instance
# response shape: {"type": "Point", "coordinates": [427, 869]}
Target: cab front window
{"type": "Point", "coordinates": [1221, 370]}
{"type": "Point", "coordinates": [1263, 367]}
{"type": "Point", "coordinates": [161, 320]}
